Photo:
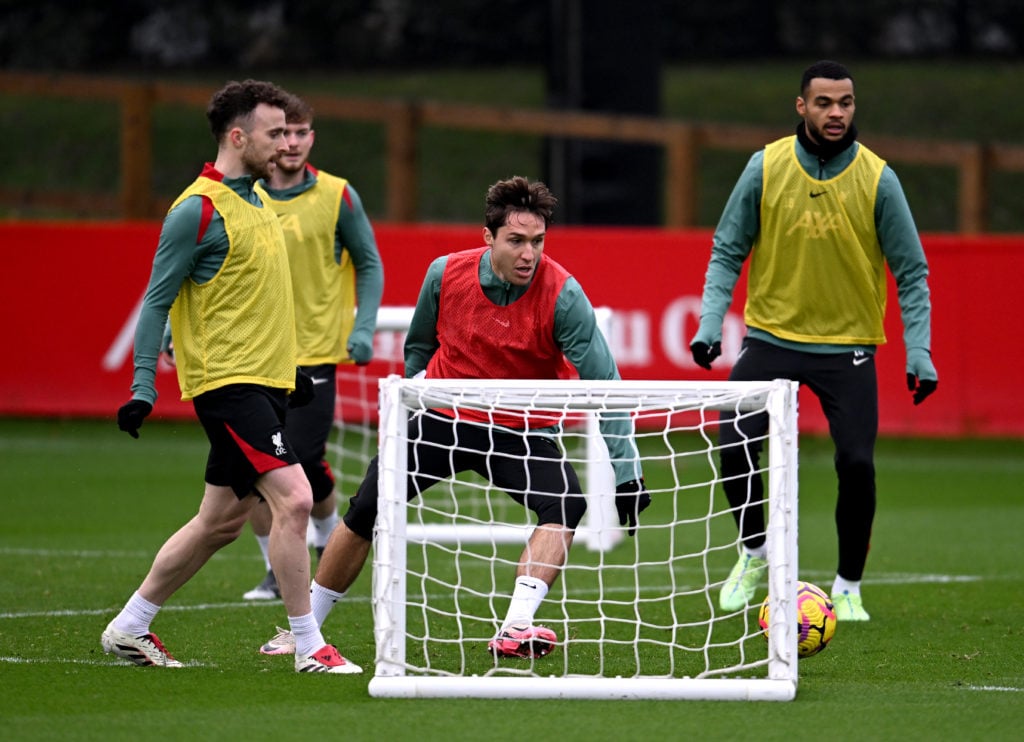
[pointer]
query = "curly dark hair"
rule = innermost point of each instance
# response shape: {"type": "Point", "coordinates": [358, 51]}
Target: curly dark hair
{"type": "Point", "coordinates": [237, 100]}
{"type": "Point", "coordinates": [514, 195]}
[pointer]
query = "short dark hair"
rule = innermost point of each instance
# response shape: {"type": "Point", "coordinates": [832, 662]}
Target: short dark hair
{"type": "Point", "coordinates": [237, 100]}
{"type": "Point", "coordinates": [825, 68]}
{"type": "Point", "coordinates": [298, 111]}
{"type": "Point", "coordinates": [514, 195]}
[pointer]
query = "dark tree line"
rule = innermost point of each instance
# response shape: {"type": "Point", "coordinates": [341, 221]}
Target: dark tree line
{"type": "Point", "coordinates": [99, 35]}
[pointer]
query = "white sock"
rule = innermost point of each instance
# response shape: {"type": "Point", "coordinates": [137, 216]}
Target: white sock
{"type": "Point", "coordinates": [850, 587]}
{"type": "Point", "coordinates": [322, 601]}
{"type": "Point", "coordinates": [307, 634]}
{"type": "Point", "coordinates": [760, 552]}
{"type": "Point", "coordinates": [526, 599]}
{"type": "Point", "coordinates": [322, 528]}
{"type": "Point", "coordinates": [264, 542]}
{"type": "Point", "coordinates": [136, 616]}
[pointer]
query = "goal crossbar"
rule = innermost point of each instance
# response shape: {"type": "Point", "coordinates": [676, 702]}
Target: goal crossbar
{"type": "Point", "coordinates": [526, 394]}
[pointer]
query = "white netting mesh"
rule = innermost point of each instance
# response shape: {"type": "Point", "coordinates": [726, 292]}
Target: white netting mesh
{"type": "Point", "coordinates": [644, 612]}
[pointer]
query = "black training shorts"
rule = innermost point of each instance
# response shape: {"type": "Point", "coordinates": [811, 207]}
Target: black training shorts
{"type": "Point", "coordinates": [245, 425]}
{"type": "Point", "coordinates": [309, 427]}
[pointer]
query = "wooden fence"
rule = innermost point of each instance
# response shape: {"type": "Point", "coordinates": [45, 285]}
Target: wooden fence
{"type": "Point", "coordinates": [682, 143]}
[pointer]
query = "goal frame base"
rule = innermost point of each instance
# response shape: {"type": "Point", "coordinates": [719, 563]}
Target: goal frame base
{"type": "Point", "coordinates": [606, 689]}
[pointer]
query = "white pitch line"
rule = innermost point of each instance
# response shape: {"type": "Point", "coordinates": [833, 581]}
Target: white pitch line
{"type": "Point", "coordinates": [909, 579]}
{"type": "Point", "coordinates": [571, 594]}
{"type": "Point", "coordinates": [1000, 688]}
{"type": "Point", "coordinates": [72, 661]}
{"type": "Point", "coordinates": [892, 579]}
{"type": "Point", "coordinates": [114, 610]}
{"type": "Point", "coordinates": [648, 590]}
{"type": "Point", "coordinates": [107, 554]}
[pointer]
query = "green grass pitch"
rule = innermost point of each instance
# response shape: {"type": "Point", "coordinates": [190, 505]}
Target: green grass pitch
{"type": "Point", "coordinates": [84, 508]}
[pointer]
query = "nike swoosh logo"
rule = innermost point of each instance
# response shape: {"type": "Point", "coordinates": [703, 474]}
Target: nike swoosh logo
{"type": "Point", "coordinates": [861, 360]}
{"type": "Point", "coordinates": [319, 380]}
{"type": "Point", "coordinates": [503, 322]}
{"type": "Point", "coordinates": [819, 193]}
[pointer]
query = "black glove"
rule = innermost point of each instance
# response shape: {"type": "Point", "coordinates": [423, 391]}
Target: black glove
{"type": "Point", "coordinates": [631, 499]}
{"type": "Point", "coordinates": [703, 354]}
{"type": "Point", "coordinates": [131, 414]}
{"type": "Point", "coordinates": [921, 389]}
{"type": "Point", "coordinates": [304, 391]}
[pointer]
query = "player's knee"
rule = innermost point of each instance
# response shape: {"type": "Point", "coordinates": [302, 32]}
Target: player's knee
{"type": "Point", "coordinates": [223, 532]}
{"type": "Point", "coordinates": [566, 511]}
{"type": "Point", "coordinates": [361, 516]}
{"type": "Point", "coordinates": [858, 471]}
{"type": "Point", "coordinates": [292, 509]}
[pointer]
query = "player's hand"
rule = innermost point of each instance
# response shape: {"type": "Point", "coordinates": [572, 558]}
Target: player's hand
{"type": "Point", "coordinates": [704, 354]}
{"type": "Point", "coordinates": [706, 345]}
{"type": "Point", "coordinates": [360, 347]}
{"type": "Point", "coordinates": [922, 379]}
{"type": "Point", "coordinates": [131, 414]}
{"type": "Point", "coordinates": [631, 499]}
{"type": "Point", "coordinates": [304, 391]}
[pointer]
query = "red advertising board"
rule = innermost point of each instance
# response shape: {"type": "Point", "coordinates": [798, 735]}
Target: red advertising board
{"type": "Point", "coordinates": [73, 289]}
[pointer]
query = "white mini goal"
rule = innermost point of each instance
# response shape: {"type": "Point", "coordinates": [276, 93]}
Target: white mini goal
{"type": "Point", "coordinates": [640, 620]}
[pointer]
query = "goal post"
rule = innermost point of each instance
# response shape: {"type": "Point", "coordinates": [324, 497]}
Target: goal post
{"type": "Point", "coordinates": [640, 621]}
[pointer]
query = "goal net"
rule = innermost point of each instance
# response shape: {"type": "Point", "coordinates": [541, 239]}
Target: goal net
{"type": "Point", "coordinates": [354, 443]}
{"type": "Point", "coordinates": [640, 620]}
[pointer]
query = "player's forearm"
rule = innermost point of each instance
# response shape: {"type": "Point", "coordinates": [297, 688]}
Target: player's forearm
{"type": "Point", "coordinates": [369, 293]}
{"type": "Point", "coordinates": [719, 283]}
{"type": "Point", "coordinates": [617, 431]}
{"type": "Point", "coordinates": [901, 245]}
{"type": "Point", "coordinates": [911, 273]}
{"type": "Point", "coordinates": [915, 310]}
{"type": "Point", "coordinates": [421, 339]}
{"type": "Point", "coordinates": [148, 338]}
{"type": "Point", "coordinates": [734, 237]}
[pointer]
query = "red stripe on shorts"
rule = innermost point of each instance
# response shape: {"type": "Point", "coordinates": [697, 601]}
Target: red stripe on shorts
{"type": "Point", "coordinates": [261, 462]}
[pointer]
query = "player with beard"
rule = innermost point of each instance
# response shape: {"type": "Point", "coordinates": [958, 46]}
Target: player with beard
{"type": "Point", "coordinates": [221, 272]}
{"type": "Point", "coordinates": [820, 216]}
